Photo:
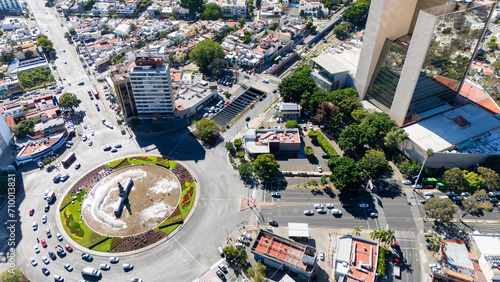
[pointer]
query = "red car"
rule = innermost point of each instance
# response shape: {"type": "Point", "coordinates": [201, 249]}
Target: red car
{"type": "Point", "coordinates": [68, 248]}
{"type": "Point", "coordinates": [44, 244]}
{"type": "Point", "coordinates": [32, 211]}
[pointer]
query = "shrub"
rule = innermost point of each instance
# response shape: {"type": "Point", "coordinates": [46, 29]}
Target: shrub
{"type": "Point", "coordinates": [238, 143]}
{"type": "Point", "coordinates": [240, 154]}
{"type": "Point", "coordinates": [313, 134]}
{"type": "Point", "coordinates": [291, 124]}
{"type": "Point", "coordinates": [308, 150]}
{"type": "Point", "coordinates": [381, 261]}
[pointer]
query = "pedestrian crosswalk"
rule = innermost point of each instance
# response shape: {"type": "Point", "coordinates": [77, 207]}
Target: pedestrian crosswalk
{"type": "Point", "coordinates": [405, 234]}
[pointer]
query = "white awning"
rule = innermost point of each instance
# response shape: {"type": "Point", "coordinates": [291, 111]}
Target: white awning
{"type": "Point", "coordinates": [298, 230]}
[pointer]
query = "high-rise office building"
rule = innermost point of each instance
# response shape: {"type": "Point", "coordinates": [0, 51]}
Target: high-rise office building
{"type": "Point", "coordinates": [410, 44]}
{"type": "Point", "coordinates": [9, 5]}
{"type": "Point", "coordinates": [151, 87]}
{"type": "Point", "coordinates": [121, 83]}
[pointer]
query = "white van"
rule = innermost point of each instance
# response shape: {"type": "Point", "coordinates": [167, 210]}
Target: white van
{"type": "Point", "coordinates": [91, 272]}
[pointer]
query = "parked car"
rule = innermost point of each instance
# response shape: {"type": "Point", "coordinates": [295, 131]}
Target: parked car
{"type": "Point", "coordinates": [329, 206]}
{"type": "Point", "coordinates": [45, 271]}
{"type": "Point", "coordinates": [44, 219]}
{"type": "Point", "coordinates": [52, 255]}
{"type": "Point", "coordinates": [33, 261]}
{"type": "Point", "coordinates": [222, 268]}
{"type": "Point", "coordinates": [48, 233]}
{"type": "Point", "coordinates": [44, 244]}
{"type": "Point", "coordinates": [275, 195]}
{"type": "Point", "coordinates": [320, 169]}
{"type": "Point", "coordinates": [321, 255]}
{"type": "Point", "coordinates": [273, 223]}
{"type": "Point", "coordinates": [308, 212]}
{"type": "Point", "coordinates": [104, 266]}
{"type": "Point", "coordinates": [87, 257]}
{"type": "Point", "coordinates": [219, 273]}
{"type": "Point", "coordinates": [68, 248]}
{"type": "Point", "coordinates": [45, 260]}
{"type": "Point", "coordinates": [37, 250]}
{"type": "Point", "coordinates": [127, 266]}
{"type": "Point", "coordinates": [114, 260]}
{"type": "Point", "coordinates": [32, 211]}
{"type": "Point", "coordinates": [321, 211]}
{"type": "Point", "coordinates": [318, 206]}
{"type": "Point", "coordinates": [59, 236]}
{"type": "Point", "coordinates": [406, 182]}
{"type": "Point", "coordinates": [238, 244]}
{"type": "Point", "coordinates": [68, 267]}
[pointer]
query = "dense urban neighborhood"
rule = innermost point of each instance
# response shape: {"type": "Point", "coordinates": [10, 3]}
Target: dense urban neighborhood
{"type": "Point", "coordinates": [250, 140]}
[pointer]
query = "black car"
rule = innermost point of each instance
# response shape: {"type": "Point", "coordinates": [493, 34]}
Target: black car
{"type": "Point", "coordinates": [47, 208]}
{"type": "Point", "coordinates": [325, 156]}
{"type": "Point", "coordinates": [451, 195]}
{"type": "Point", "coordinates": [107, 148]}
{"type": "Point", "coordinates": [273, 223]}
{"type": "Point", "coordinates": [493, 200]}
{"type": "Point", "coordinates": [220, 274]}
{"type": "Point", "coordinates": [45, 271]}
{"type": "Point", "coordinates": [274, 91]}
{"type": "Point", "coordinates": [77, 166]}
{"type": "Point", "coordinates": [52, 255]}
{"type": "Point", "coordinates": [247, 119]}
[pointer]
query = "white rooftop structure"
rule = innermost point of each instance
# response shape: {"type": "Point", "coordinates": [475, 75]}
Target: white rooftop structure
{"type": "Point", "coordinates": [452, 127]}
{"type": "Point", "coordinates": [298, 230]}
{"type": "Point", "coordinates": [457, 256]}
{"type": "Point", "coordinates": [488, 245]}
{"type": "Point", "coordinates": [343, 255]}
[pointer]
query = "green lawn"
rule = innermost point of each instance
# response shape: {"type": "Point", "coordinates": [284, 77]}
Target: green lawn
{"type": "Point", "coordinates": [185, 211]}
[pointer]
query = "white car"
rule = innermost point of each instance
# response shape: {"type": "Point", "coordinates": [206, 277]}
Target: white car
{"type": "Point", "coordinates": [84, 138]}
{"type": "Point", "coordinates": [105, 266]}
{"type": "Point", "coordinates": [318, 206]}
{"type": "Point", "coordinates": [33, 261]}
{"type": "Point", "coordinates": [44, 219]}
{"type": "Point", "coordinates": [329, 206]}
{"type": "Point", "coordinates": [417, 186]}
{"type": "Point", "coordinates": [92, 132]}
{"type": "Point", "coordinates": [35, 226]}
{"type": "Point", "coordinates": [321, 255]}
{"type": "Point", "coordinates": [247, 235]}
{"type": "Point", "coordinates": [68, 267]}
{"type": "Point", "coordinates": [59, 237]}
{"type": "Point", "coordinates": [308, 212]}
{"type": "Point", "coordinates": [84, 126]}
{"type": "Point", "coordinates": [58, 278]}
{"type": "Point", "coordinates": [90, 143]}
{"type": "Point", "coordinates": [321, 211]}
{"type": "Point", "coordinates": [45, 260]}
{"type": "Point", "coordinates": [433, 265]}
{"type": "Point", "coordinates": [239, 245]}
{"type": "Point", "coordinates": [406, 182]}
{"type": "Point", "coordinates": [320, 169]}
{"type": "Point", "coordinates": [114, 260]}
{"type": "Point", "coordinates": [37, 250]}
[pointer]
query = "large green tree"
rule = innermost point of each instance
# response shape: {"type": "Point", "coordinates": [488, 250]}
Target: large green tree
{"type": "Point", "coordinates": [345, 173]}
{"type": "Point", "coordinates": [266, 166]}
{"type": "Point", "coordinates": [237, 254]}
{"type": "Point", "coordinates": [7, 57]}
{"type": "Point", "coordinates": [473, 205]}
{"type": "Point", "coordinates": [300, 83]}
{"type": "Point", "coordinates": [211, 11]}
{"type": "Point", "coordinates": [440, 209]}
{"type": "Point", "coordinates": [474, 181]}
{"type": "Point", "coordinates": [394, 137]}
{"type": "Point", "coordinates": [328, 115]}
{"type": "Point", "coordinates": [69, 101]}
{"type": "Point", "coordinates": [455, 178]}
{"type": "Point", "coordinates": [352, 138]}
{"type": "Point", "coordinates": [357, 13]}
{"type": "Point", "coordinates": [246, 170]}
{"type": "Point", "coordinates": [46, 44]}
{"type": "Point", "coordinates": [374, 164]}
{"type": "Point", "coordinates": [205, 52]}
{"type": "Point", "coordinates": [409, 168]}
{"type": "Point", "coordinates": [491, 178]}
{"type": "Point", "coordinates": [376, 126]}
{"type": "Point", "coordinates": [194, 6]}
{"type": "Point", "coordinates": [346, 99]}
{"type": "Point", "coordinates": [257, 272]}
{"type": "Point", "coordinates": [206, 130]}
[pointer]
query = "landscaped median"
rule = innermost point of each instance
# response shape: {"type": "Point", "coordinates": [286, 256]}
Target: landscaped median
{"type": "Point", "coordinates": [78, 229]}
{"type": "Point", "coordinates": [323, 142]}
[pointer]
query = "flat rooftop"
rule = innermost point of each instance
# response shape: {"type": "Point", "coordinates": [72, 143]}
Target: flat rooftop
{"type": "Point", "coordinates": [39, 145]}
{"type": "Point", "coordinates": [257, 140]}
{"type": "Point", "coordinates": [356, 259]}
{"type": "Point", "coordinates": [463, 124]}
{"type": "Point", "coordinates": [283, 250]}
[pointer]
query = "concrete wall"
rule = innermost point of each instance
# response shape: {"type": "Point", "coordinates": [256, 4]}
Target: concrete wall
{"type": "Point", "coordinates": [437, 160]}
{"type": "Point", "coordinates": [387, 19]}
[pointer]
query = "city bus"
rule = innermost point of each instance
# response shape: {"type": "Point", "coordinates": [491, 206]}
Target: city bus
{"type": "Point", "coordinates": [68, 159]}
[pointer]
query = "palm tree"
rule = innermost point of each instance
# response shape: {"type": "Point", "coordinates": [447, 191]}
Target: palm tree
{"type": "Point", "coordinates": [436, 242]}
{"type": "Point", "coordinates": [390, 237]}
{"type": "Point", "coordinates": [375, 234]}
{"type": "Point", "coordinates": [357, 231]}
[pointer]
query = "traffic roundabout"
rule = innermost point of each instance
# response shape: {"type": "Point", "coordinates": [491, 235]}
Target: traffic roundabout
{"type": "Point", "coordinates": [127, 204]}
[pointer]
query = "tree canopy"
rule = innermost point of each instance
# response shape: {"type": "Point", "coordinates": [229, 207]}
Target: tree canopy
{"type": "Point", "coordinates": [266, 166]}
{"type": "Point", "coordinates": [211, 11]}
{"type": "Point", "coordinates": [246, 170]}
{"type": "Point", "coordinates": [235, 253]}
{"type": "Point", "coordinates": [357, 13]}
{"type": "Point", "coordinates": [205, 52]}
{"type": "Point", "coordinates": [345, 174]}
{"type": "Point", "coordinates": [300, 83]}
{"type": "Point", "coordinates": [206, 130]}
{"type": "Point", "coordinates": [69, 101]}
{"type": "Point", "coordinates": [440, 209]}
{"type": "Point", "coordinates": [257, 272]}
{"type": "Point", "coordinates": [394, 137]}
{"type": "Point", "coordinates": [491, 178]}
{"type": "Point", "coordinates": [455, 178]}
{"type": "Point", "coordinates": [7, 57]}
{"type": "Point", "coordinates": [46, 44]}
{"type": "Point", "coordinates": [35, 77]}
{"type": "Point", "coordinates": [194, 6]}
{"type": "Point", "coordinates": [291, 124]}
{"type": "Point", "coordinates": [374, 164]}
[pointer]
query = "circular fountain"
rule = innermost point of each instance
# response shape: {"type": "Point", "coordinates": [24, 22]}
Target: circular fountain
{"type": "Point", "coordinates": [131, 200]}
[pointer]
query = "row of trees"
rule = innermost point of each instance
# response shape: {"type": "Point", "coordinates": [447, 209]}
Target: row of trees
{"type": "Point", "coordinates": [471, 181]}
{"type": "Point", "coordinates": [443, 209]}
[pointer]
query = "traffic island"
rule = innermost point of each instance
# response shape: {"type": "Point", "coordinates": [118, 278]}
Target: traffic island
{"type": "Point", "coordinates": [128, 204]}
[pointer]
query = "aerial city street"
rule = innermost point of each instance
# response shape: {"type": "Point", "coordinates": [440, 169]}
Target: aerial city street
{"type": "Point", "coordinates": [249, 140]}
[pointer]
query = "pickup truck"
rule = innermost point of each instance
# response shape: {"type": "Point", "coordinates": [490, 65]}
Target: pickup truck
{"type": "Point", "coordinates": [60, 250]}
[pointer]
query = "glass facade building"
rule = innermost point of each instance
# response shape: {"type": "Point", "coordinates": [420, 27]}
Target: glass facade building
{"type": "Point", "coordinates": [452, 33]}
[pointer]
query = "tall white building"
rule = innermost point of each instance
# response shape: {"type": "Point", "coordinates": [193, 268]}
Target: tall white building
{"type": "Point", "coordinates": [151, 87]}
{"type": "Point", "coordinates": [5, 134]}
{"type": "Point", "coordinates": [9, 5]}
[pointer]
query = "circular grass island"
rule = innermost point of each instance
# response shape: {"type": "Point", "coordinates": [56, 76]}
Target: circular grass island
{"type": "Point", "coordinates": [128, 204]}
